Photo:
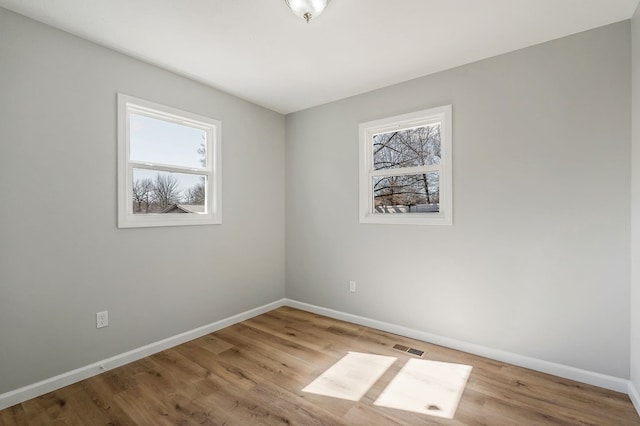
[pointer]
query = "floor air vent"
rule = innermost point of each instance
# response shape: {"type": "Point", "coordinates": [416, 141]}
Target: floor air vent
{"type": "Point", "coordinates": [406, 349]}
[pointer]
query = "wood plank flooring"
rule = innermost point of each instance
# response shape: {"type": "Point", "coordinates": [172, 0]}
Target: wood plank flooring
{"type": "Point", "coordinates": [254, 372]}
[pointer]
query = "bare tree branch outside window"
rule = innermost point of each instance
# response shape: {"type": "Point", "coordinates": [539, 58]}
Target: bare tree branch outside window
{"type": "Point", "coordinates": [165, 190]}
{"type": "Point", "coordinates": [142, 194]}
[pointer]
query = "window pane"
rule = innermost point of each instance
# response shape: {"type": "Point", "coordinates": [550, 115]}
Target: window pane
{"type": "Point", "coordinates": [407, 148]}
{"type": "Point", "coordinates": [164, 192]}
{"type": "Point", "coordinates": [418, 193]}
{"type": "Point", "coordinates": [161, 142]}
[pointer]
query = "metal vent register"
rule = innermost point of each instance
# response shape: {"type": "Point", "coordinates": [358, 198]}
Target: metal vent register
{"type": "Point", "coordinates": [408, 350]}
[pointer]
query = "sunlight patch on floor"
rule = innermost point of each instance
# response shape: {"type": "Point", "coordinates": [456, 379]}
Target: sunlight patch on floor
{"type": "Point", "coordinates": [426, 387]}
{"type": "Point", "coordinates": [351, 377]}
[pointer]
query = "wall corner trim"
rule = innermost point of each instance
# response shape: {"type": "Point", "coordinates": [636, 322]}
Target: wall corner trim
{"type": "Point", "coordinates": [589, 377]}
{"type": "Point", "coordinates": [34, 390]}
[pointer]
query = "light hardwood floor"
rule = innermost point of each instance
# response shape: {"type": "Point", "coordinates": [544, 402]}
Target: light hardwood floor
{"type": "Point", "coordinates": [254, 373]}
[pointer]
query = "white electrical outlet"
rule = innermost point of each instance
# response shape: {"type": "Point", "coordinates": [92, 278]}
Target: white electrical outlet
{"type": "Point", "coordinates": [102, 319]}
{"type": "Point", "coordinates": [352, 286]}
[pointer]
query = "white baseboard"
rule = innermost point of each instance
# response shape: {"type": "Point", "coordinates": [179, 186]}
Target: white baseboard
{"type": "Point", "coordinates": [572, 373]}
{"type": "Point", "coordinates": [634, 395]}
{"type": "Point", "coordinates": [40, 388]}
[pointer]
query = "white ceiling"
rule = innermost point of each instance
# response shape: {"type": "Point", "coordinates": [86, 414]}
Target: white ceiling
{"type": "Point", "coordinates": [260, 51]}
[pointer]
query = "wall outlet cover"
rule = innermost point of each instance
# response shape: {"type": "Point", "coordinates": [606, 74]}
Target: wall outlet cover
{"type": "Point", "coordinates": [102, 319]}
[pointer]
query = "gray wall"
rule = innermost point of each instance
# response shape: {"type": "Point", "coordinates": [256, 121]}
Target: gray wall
{"type": "Point", "coordinates": [62, 258]}
{"type": "Point", "coordinates": [635, 206]}
{"type": "Point", "coordinates": [537, 262]}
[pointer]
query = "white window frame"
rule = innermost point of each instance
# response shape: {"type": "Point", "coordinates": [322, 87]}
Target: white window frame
{"type": "Point", "coordinates": [368, 130]}
{"type": "Point", "coordinates": [213, 169]}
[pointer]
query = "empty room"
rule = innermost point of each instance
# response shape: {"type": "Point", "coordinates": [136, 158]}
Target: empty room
{"type": "Point", "coordinates": [320, 212]}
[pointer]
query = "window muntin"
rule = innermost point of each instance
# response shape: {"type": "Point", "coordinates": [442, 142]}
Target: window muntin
{"type": "Point", "coordinates": [169, 165]}
{"type": "Point", "coordinates": [405, 167]}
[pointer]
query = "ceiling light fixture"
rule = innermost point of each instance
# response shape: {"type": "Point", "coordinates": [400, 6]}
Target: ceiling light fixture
{"type": "Point", "coordinates": [307, 9]}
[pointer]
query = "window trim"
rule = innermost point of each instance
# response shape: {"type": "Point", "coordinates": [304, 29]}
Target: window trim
{"type": "Point", "coordinates": [213, 170]}
{"type": "Point", "coordinates": [425, 117]}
